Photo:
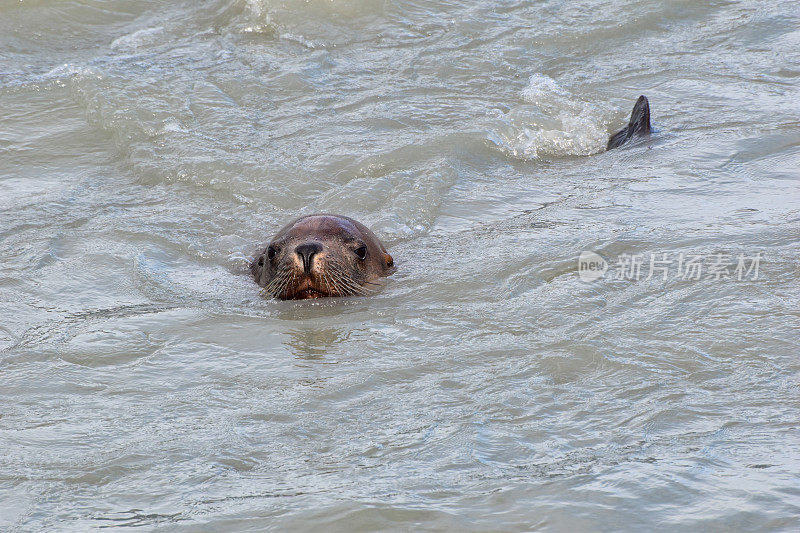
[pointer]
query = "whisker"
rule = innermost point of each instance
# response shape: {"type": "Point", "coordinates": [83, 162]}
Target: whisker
{"type": "Point", "coordinates": [278, 279]}
{"type": "Point", "coordinates": [325, 279]}
{"type": "Point", "coordinates": [269, 287]}
{"type": "Point", "coordinates": [336, 283]}
{"type": "Point", "coordinates": [336, 277]}
{"type": "Point", "coordinates": [352, 286]}
{"type": "Point", "coordinates": [280, 282]}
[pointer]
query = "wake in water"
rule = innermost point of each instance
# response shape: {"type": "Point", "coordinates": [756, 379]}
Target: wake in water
{"type": "Point", "coordinates": [552, 123]}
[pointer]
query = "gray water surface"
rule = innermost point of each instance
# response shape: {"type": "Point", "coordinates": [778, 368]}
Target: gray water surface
{"type": "Point", "coordinates": [147, 148]}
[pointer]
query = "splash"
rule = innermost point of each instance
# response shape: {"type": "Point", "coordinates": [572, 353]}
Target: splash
{"type": "Point", "coordinates": [552, 123]}
{"type": "Point", "coordinates": [137, 39]}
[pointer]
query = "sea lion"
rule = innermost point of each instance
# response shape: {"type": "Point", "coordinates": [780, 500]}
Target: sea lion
{"type": "Point", "coordinates": [638, 126]}
{"type": "Point", "coordinates": [322, 255]}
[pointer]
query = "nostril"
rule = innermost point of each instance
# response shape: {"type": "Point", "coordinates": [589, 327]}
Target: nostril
{"type": "Point", "coordinates": [306, 252]}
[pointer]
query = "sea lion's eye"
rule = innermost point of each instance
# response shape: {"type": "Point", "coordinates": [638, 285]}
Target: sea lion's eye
{"type": "Point", "coordinates": [271, 251]}
{"type": "Point", "coordinates": [361, 252]}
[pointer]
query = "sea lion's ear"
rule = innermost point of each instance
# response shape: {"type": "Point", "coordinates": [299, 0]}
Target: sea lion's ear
{"type": "Point", "coordinates": [388, 259]}
{"type": "Point", "coordinates": [257, 265]}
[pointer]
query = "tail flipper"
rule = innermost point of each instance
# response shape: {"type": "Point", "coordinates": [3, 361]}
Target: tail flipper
{"type": "Point", "coordinates": [639, 124]}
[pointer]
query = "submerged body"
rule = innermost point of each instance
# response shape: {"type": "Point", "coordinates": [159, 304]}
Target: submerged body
{"type": "Point", "coordinates": [324, 255]}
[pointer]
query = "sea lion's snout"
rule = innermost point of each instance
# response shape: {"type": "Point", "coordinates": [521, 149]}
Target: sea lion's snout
{"type": "Point", "coordinates": [306, 252]}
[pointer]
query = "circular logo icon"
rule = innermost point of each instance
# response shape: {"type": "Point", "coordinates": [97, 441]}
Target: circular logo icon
{"type": "Point", "coordinates": [591, 266]}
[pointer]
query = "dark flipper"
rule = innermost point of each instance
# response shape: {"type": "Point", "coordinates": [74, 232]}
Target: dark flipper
{"type": "Point", "coordinates": [638, 126]}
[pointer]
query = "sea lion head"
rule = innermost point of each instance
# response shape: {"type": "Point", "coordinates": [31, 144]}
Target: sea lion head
{"type": "Point", "coordinates": [322, 255]}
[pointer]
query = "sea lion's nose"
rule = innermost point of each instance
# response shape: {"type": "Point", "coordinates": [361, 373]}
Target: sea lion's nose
{"type": "Point", "coordinates": [306, 252]}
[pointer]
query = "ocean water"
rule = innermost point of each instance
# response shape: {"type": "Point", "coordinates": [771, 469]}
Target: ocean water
{"type": "Point", "coordinates": [497, 384]}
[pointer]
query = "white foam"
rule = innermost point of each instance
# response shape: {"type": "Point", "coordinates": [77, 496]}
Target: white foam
{"type": "Point", "coordinates": [543, 87]}
{"type": "Point", "coordinates": [300, 40]}
{"type": "Point", "coordinates": [552, 123]}
{"type": "Point", "coordinates": [67, 70]}
{"type": "Point", "coordinates": [138, 38]}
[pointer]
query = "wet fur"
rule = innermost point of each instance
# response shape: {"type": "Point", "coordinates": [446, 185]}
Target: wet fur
{"type": "Point", "coordinates": [336, 270]}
